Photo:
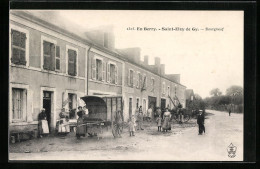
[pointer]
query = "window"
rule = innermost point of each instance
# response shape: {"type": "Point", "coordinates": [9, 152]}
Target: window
{"type": "Point", "coordinates": [144, 83]}
{"type": "Point", "coordinates": [131, 78]}
{"type": "Point", "coordinates": [18, 104]}
{"type": "Point", "coordinates": [152, 84]}
{"type": "Point", "coordinates": [168, 91]}
{"type": "Point", "coordinates": [138, 80]}
{"type": "Point", "coordinates": [106, 40]}
{"type": "Point", "coordinates": [99, 69]}
{"type": "Point", "coordinates": [72, 100]}
{"type": "Point", "coordinates": [72, 62]}
{"type": "Point", "coordinates": [113, 73]}
{"type": "Point", "coordinates": [18, 47]}
{"type": "Point", "coordinates": [163, 88]}
{"type": "Point", "coordinates": [51, 56]}
{"type": "Point", "coordinates": [137, 102]}
{"type": "Point", "coordinates": [57, 61]}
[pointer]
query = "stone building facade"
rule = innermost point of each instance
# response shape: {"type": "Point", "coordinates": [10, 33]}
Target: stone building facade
{"type": "Point", "coordinates": [52, 67]}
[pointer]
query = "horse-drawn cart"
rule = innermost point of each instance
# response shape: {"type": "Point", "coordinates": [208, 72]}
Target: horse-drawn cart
{"type": "Point", "coordinates": [102, 111]}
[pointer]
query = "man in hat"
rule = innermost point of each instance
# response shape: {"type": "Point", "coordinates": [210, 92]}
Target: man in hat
{"type": "Point", "coordinates": [200, 122]}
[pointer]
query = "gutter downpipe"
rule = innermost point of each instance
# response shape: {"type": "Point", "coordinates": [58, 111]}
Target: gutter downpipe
{"type": "Point", "coordinates": [88, 66]}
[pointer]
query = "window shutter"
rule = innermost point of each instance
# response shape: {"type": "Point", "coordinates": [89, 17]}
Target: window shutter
{"type": "Point", "coordinates": [116, 74]}
{"type": "Point", "coordinates": [137, 80]}
{"type": "Point", "coordinates": [144, 85]}
{"type": "Point", "coordinates": [57, 61]}
{"type": "Point", "coordinates": [75, 63]}
{"type": "Point", "coordinates": [46, 54]}
{"type": "Point", "coordinates": [22, 52]}
{"type": "Point", "coordinates": [23, 39]}
{"type": "Point", "coordinates": [141, 81]}
{"type": "Point", "coordinates": [18, 47]}
{"type": "Point", "coordinates": [128, 77]}
{"type": "Point", "coordinates": [71, 62]}
{"type": "Point", "coordinates": [134, 74]}
{"type": "Point", "coordinates": [52, 56]}
{"type": "Point", "coordinates": [93, 68]}
{"type": "Point", "coordinates": [16, 38]}
{"type": "Point", "coordinates": [103, 71]}
{"type": "Point", "coordinates": [108, 72]}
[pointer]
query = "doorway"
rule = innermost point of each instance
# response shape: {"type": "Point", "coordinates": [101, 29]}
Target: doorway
{"type": "Point", "coordinates": [47, 105]}
{"type": "Point", "coordinates": [152, 104]}
{"type": "Point", "coordinates": [163, 104]}
{"type": "Point", "coordinates": [130, 107]}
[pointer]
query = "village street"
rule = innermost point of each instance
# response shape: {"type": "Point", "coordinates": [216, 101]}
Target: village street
{"type": "Point", "coordinates": [182, 143]}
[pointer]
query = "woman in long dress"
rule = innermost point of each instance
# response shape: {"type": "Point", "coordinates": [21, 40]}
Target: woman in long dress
{"type": "Point", "coordinates": [166, 121]}
{"type": "Point", "coordinates": [43, 123]}
{"type": "Point", "coordinates": [81, 127]}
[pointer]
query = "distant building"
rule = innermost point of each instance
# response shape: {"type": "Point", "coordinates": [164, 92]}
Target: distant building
{"type": "Point", "coordinates": [190, 97]}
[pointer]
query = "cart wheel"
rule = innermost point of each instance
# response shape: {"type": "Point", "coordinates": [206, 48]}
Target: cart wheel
{"type": "Point", "coordinates": [117, 130]}
{"type": "Point", "coordinates": [114, 131]}
{"type": "Point", "coordinates": [186, 117]}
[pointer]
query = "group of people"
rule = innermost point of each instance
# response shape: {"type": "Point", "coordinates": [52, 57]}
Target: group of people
{"type": "Point", "coordinates": [135, 122]}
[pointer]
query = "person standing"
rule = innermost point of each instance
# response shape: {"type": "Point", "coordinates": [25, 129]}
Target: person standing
{"type": "Point", "coordinates": [43, 123]}
{"type": "Point", "coordinates": [166, 121]}
{"type": "Point", "coordinates": [159, 122]}
{"type": "Point", "coordinates": [119, 122]}
{"type": "Point", "coordinates": [200, 122]}
{"type": "Point", "coordinates": [149, 113]}
{"type": "Point", "coordinates": [140, 120]}
{"type": "Point", "coordinates": [131, 126]}
{"type": "Point", "coordinates": [158, 112]}
{"type": "Point", "coordinates": [229, 112]}
{"type": "Point", "coordinates": [81, 127]}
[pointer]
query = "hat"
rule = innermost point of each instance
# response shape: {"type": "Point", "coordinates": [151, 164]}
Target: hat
{"type": "Point", "coordinates": [43, 109]}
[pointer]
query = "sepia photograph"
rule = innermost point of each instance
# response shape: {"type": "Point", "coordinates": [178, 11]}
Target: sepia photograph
{"type": "Point", "coordinates": [126, 85]}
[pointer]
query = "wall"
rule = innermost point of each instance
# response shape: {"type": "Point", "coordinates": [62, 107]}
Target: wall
{"type": "Point", "coordinates": [36, 79]}
{"type": "Point", "coordinates": [104, 87]}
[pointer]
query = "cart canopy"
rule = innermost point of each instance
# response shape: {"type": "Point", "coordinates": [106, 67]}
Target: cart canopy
{"type": "Point", "coordinates": [96, 107]}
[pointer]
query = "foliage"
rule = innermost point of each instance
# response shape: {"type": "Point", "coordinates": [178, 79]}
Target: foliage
{"type": "Point", "coordinates": [232, 100]}
{"type": "Point", "coordinates": [196, 104]}
{"type": "Point", "coordinates": [234, 90]}
{"type": "Point", "coordinates": [215, 92]}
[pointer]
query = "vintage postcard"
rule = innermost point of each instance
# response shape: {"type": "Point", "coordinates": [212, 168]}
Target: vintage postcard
{"type": "Point", "coordinates": [126, 85]}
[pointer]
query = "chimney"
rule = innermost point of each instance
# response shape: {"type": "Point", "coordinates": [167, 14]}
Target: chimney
{"type": "Point", "coordinates": [146, 60]}
{"type": "Point", "coordinates": [162, 69]}
{"type": "Point", "coordinates": [157, 61]}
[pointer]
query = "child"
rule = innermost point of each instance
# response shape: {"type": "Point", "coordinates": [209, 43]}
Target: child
{"type": "Point", "coordinates": [159, 122]}
{"type": "Point", "coordinates": [131, 125]}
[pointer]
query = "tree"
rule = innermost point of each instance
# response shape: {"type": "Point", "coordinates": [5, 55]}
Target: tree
{"type": "Point", "coordinates": [234, 90]}
{"type": "Point", "coordinates": [197, 96]}
{"type": "Point", "coordinates": [215, 92]}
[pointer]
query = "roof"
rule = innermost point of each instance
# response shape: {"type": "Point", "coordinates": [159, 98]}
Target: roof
{"type": "Point", "coordinates": [52, 20]}
{"type": "Point", "coordinates": [188, 93]}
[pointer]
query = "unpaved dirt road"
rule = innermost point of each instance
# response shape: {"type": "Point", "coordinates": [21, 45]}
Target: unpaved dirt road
{"type": "Point", "coordinates": [181, 144]}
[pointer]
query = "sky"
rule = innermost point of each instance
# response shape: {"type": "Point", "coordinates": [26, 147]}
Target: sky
{"type": "Point", "coordinates": [204, 59]}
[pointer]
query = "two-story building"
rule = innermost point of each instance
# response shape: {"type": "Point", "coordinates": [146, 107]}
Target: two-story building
{"type": "Point", "coordinates": [46, 69]}
{"type": "Point", "coordinates": [52, 67]}
{"type": "Point", "coordinates": [147, 85]}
